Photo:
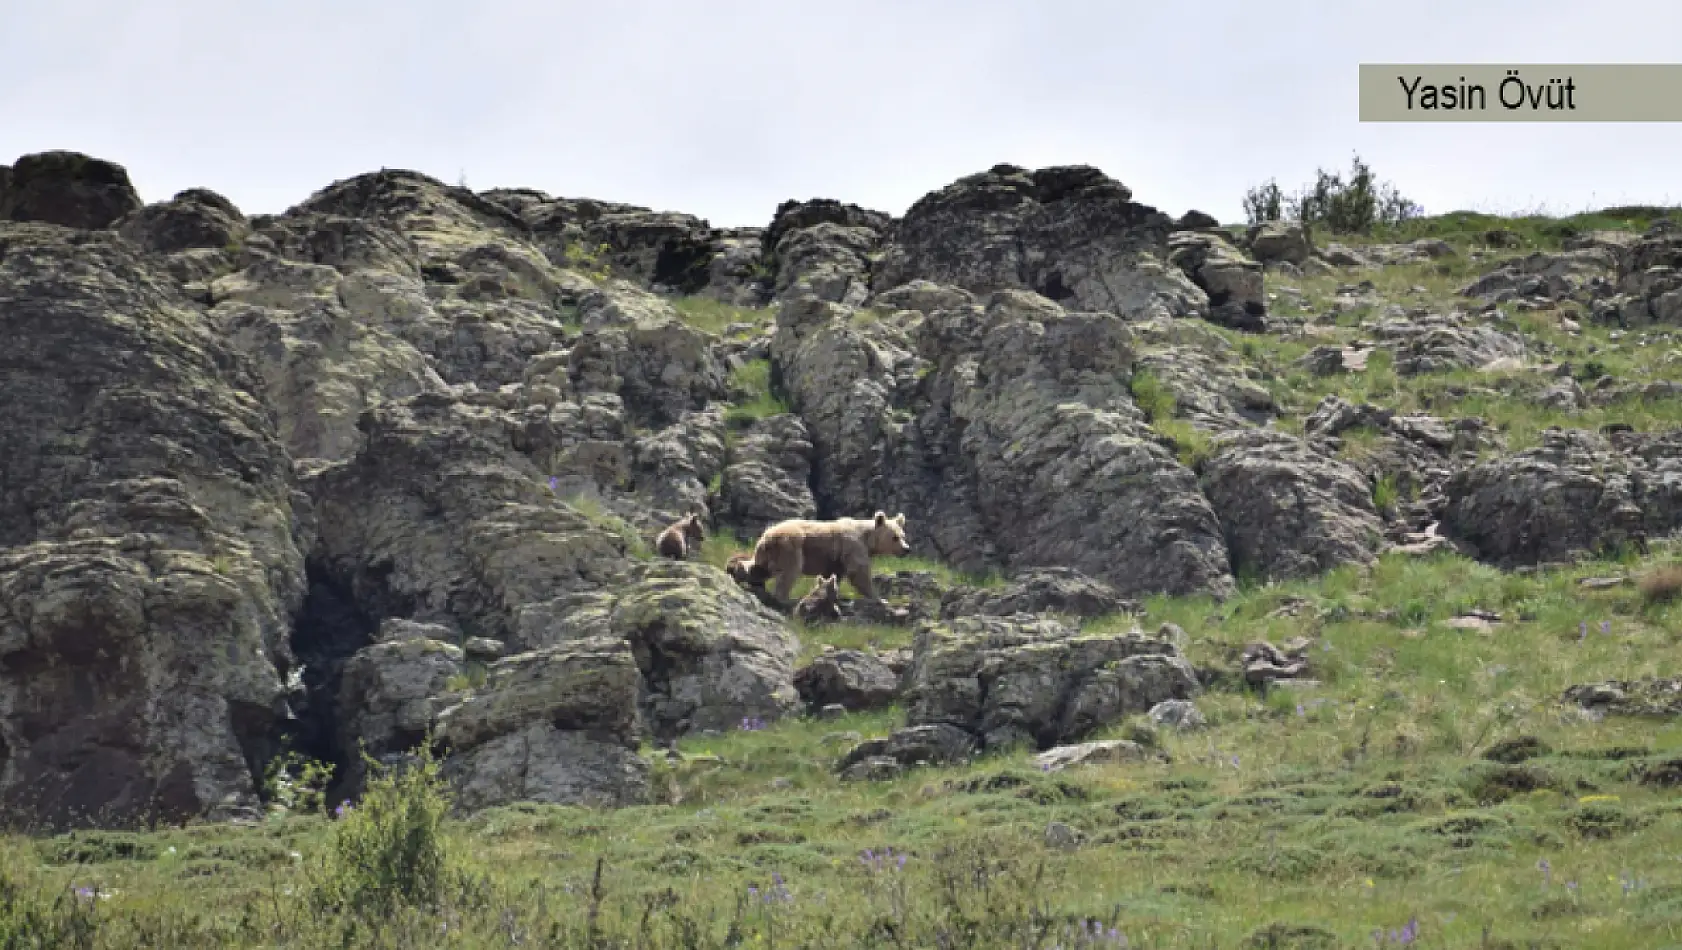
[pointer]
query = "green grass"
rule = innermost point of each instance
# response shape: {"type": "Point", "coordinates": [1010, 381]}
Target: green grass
{"type": "Point", "coordinates": [715, 317]}
{"type": "Point", "coordinates": [1534, 231]}
{"type": "Point", "coordinates": [753, 379]}
{"type": "Point", "coordinates": [1501, 397]}
{"type": "Point", "coordinates": [593, 511]}
{"type": "Point", "coordinates": [1191, 445]}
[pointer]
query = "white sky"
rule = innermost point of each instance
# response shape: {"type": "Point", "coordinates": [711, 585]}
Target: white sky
{"type": "Point", "coordinates": [726, 107]}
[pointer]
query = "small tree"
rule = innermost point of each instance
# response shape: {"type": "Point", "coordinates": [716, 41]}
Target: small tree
{"type": "Point", "coordinates": [1265, 202]}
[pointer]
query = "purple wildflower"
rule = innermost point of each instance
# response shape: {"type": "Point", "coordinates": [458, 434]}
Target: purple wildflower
{"type": "Point", "coordinates": [1300, 711]}
{"type": "Point", "coordinates": [1582, 630]}
{"type": "Point", "coordinates": [342, 810]}
{"type": "Point", "coordinates": [86, 892]}
{"type": "Point", "coordinates": [1605, 627]}
{"type": "Point", "coordinates": [1547, 871]}
{"type": "Point", "coordinates": [554, 483]}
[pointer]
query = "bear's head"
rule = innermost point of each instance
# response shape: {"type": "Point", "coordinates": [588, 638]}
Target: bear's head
{"type": "Point", "coordinates": [887, 536]}
{"type": "Point", "coordinates": [693, 531]}
{"type": "Point", "coordinates": [743, 570]}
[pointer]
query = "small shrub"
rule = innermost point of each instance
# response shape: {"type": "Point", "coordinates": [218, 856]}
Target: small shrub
{"type": "Point", "coordinates": [297, 783]}
{"type": "Point", "coordinates": [30, 917]}
{"type": "Point", "coordinates": [388, 851]}
{"type": "Point", "coordinates": [1153, 398]}
{"type": "Point", "coordinates": [593, 511]}
{"type": "Point", "coordinates": [1661, 584]}
{"type": "Point", "coordinates": [1384, 494]}
{"type": "Point", "coordinates": [1191, 445]}
{"type": "Point", "coordinates": [472, 677]}
{"type": "Point", "coordinates": [591, 262]}
{"type": "Point", "coordinates": [1265, 202]}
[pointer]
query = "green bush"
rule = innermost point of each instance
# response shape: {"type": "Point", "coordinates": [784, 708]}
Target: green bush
{"type": "Point", "coordinates": [1353, 206]}
{"type": "Point", "coordinates": [388, 850]}
{"type": "Point", "coordinates": [296, 783]}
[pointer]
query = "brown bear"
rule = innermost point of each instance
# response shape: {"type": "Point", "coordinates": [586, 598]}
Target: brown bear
{"type": "Point", "coordinates": [684, 535]}
{"type": "Point", "coordinates": [823, 603]}
{"type": "Point", "coordinates": [791, 549]}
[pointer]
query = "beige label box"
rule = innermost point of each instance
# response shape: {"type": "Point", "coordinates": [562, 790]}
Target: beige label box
{"type": "Point", "coordinates": [1521, 93]}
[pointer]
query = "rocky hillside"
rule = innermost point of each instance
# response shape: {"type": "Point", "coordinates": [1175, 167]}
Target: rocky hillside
{"type": "Point", "coordinates": [390, 464]}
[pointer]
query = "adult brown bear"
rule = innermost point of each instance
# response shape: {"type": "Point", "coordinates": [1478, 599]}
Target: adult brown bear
{"type": "Point", "coordinates": [791, 549]}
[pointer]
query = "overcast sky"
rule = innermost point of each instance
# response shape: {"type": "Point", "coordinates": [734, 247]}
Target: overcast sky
{"type": "Point", "coordinates": [726, 107]}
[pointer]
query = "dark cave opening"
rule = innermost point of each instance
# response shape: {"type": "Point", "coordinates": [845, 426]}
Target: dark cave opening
{"type": "Point", "coordinates": [683, 266]}
{"type": "Point", "coordinates": [1054, 289]}
{"type": "Point", "coordinates": [329, 630]}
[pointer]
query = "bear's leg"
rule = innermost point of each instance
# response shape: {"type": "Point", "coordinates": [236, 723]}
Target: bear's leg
{"type": "Point", "coordinates": [789, 577]}
{"type": "Point", "coordinates": [859, 576]}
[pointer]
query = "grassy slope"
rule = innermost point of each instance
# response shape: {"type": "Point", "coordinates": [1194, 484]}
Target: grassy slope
{"type": "Point", "coordinates": [1351, 806]}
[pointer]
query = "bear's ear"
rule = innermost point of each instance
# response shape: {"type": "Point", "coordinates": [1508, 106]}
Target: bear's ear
{"type": "Point", "coordinates": [899, 519]}
{"type": "Point", "coordinates": [881, 518]}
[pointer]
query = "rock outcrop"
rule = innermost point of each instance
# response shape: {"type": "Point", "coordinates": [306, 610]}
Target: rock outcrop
{"type": "Point", "coordinates": [987, 683]}
{"type": "Point", "coordinates": [1070, 234]}
{"type": "Point", "coordinates": [151, 539]}
{"type": "Point", "coordinates": [68, 189]}
{"type": "Point", "coordinates": [1011, 427]}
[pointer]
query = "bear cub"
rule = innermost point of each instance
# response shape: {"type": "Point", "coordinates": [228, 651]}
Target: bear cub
{"type": "Point", "coordinates": [682, 537]}
{"type": "Point", "coordinates": [823, 603]}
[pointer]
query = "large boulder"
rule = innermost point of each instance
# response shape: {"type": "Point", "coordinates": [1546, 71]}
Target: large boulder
{"type": "Point", "coordinates": [852, 679]}
{"type": "Point", "coordinates": [1055, 590]}
{"type": "Point", "coordinates": [1288, 512]}
{"type": "Point", "coordinates": [195, 218]}
{"type": "Point", "coordinates": [556, 725]}
{"type": "Point", "coordinates": [1572, 494]}
{"type": "Point", "coordinates": [1035, 680]}
{"type": "Point", "coordinates": [1648, 282]}
{"type": "Point", "coordinates": [1279, 242]}
{"type": "Point", "coordinates": [68, 189]}
{"type": "Point", "coordinates": [386, 695]}
{"type": "Point", "coordinates": [768, 476]}
{"type": "Point", "coordinates": [710, 653]}
{"type": "Point", "coordinates": [1069, 233]}
{"type": "Point", "coordinates": [1232, 281]}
